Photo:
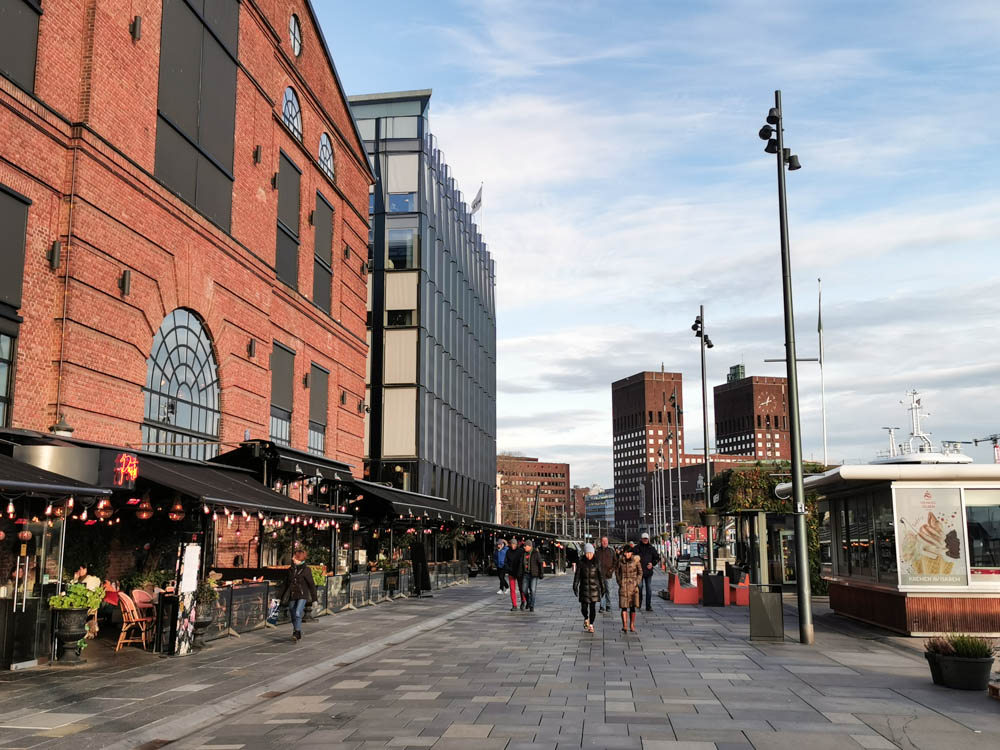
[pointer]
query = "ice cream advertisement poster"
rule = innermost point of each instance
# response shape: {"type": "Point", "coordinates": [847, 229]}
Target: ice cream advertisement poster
{"type": "Point", "coordinates": [930, 528]}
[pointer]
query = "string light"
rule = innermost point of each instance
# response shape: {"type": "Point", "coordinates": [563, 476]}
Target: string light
{"type": "Point", "coordinates": [204, 509]}
{"type": "Point", "coordinates": [48, 510]}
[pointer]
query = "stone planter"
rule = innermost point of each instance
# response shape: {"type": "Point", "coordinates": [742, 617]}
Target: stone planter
{"type": "Point", "coordinates": [201, 623]}
{"type": "Point", "coordinates": [963, 673]}
{"type": "Point", "coordinates": [933, 661]}
{"type": "Point", "coordinates": [71, 626]}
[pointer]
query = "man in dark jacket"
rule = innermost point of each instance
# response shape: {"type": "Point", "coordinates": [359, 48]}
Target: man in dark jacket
{"type": "Point", "coordinates": [511, 565]}
{"type": "Point", "coordinates": [606, 561]}
{"type": "Point", "coordinates": [500, 558]}
{"type": "Point", "coordinates": [298, 588]}
{"type": "Point", "coordinates": [649, 558]}
{"type": "Point", "coordinates": [530, 569]}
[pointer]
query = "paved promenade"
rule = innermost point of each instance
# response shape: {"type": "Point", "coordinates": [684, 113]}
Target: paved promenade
{"type": "Point", "coordinates": [462, 671]}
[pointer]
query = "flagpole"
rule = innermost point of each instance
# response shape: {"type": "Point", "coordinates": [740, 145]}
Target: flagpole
{"type": "Point", "coordinates": [822, 382]}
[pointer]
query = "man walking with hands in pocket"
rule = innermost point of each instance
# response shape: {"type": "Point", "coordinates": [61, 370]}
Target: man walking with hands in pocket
{"type": "Point", "coordinates": [649, 558]}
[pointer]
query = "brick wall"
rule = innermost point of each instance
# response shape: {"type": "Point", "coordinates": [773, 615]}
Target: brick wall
{"type": "Point", "coordinates": [82, 148]}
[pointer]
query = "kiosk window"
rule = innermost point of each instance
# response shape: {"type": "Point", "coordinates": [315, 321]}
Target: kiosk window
{"type": "Point", "coordinates": [982, 515]}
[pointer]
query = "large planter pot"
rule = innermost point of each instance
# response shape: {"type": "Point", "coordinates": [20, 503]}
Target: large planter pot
{"type": "Point", "coordinates": [965, 674]}
{"type": "Point", "coordinates": [203, 617]}
{"type": "Point", "coordinates": [71, 626]}
{"type": "Point", "coordinates": [933, 660]}
{"type": "Point", "coordinates": [473, 571]}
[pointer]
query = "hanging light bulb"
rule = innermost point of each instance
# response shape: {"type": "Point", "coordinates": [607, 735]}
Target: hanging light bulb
{"type": "Point", "coordinates": [104, 511]}
{"type": "Point", "coordinates": [83, 516]}
{"type": "Point", "coordinates": [204, 509]}
{"type": "Point", "coordinates": [176, 512]}
{"type": "Point", "coordinates": [70, 503]}
{"type": "Point", "coordinates": [48, 510]}
{"type": "Point", "coordinates": [322, 489]}
{"type": "Point", "coordinates": [215, 516]}
{"type": "Point", "coordinates": [10, 508]}
{"type": "Point", "coordinates": [2, 535]}
{"type": "Point", "coordinates": [245, 514]}
{"type": "Point", "coordinates": [237, 533]}
{"type": "Point", "coordinates": [260, 514]}
{"type": "Point", "coordinates": [145, 510]}
{"type": "Point", "coordinates": [227, 511]}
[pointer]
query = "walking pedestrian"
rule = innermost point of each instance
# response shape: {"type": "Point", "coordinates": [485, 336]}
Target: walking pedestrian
{"type": "Point", "coordinates": [530, 566]}
{"type": "Point", "coordinates": [297, 589]}
{"type": "Point", "coordinates": [629, 575]}
{"type": "Point", "coordinates": [649, 558]}
{"type": "Point", "coordinates": [499, 557]}
{"type": "Point", "coordinates": [589, 585]}
{"type": "Point", "coordinates": [606, 560]}
{"type": "Point", "coordinates": [511, 567]}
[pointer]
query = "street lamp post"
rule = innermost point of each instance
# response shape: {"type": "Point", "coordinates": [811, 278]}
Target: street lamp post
{"type": "Point", "coordinates": [706, 343]}
{"type": "Point", "coordinates": [786, 159]}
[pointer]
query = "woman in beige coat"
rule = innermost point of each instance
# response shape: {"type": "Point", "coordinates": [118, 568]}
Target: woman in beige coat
{"type": "Point", "coordinates": [629, 575]}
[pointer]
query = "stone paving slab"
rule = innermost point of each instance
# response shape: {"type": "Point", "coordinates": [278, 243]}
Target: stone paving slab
{"type": "Point", "coordinates": [492, 678]}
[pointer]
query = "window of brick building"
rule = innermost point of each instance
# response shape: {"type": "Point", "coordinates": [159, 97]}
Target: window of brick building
{"type": "Point", "coordinates": [286, 254]}
{"type": "Point", "coordinates": [181, 397]}
{"type": "Point", "coordinates": [19, 41]}
{"type": "Point", "coordinates": [291, 113]}
{"type": "Point", "coordinates": [295, 35]}
{"type": "Point", "coordinates": [13, 229]}
{"type": "Point", "coordinates": [325, 155]}
{"type": "Point", "coordinates": [282, 375]}
{"type": "Point", "coordinates": [322, 253]}
{"type": "Point", "coordinates": [196, 105]}
{"type": "Point", "coordinates": [319, 381]}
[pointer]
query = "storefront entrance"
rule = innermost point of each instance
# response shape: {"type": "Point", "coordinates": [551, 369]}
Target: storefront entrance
{"type": "Point", "coordinates": [787, 557]}
{"type": "Point", "coordinates": [30, 569]}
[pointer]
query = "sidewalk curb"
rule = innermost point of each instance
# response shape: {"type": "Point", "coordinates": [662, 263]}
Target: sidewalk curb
{"type": "Point", "coordinates": [175, 728]}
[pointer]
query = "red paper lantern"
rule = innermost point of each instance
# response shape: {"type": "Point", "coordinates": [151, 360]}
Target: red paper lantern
{"type": "Point", "coordinates": [145, 510]}
{"type": "Point", "coordinates": [176, 512]}
{"type": "Point", "coordinates": [24, 535]}
{"type": "Point", "coordinates": [104, 511]}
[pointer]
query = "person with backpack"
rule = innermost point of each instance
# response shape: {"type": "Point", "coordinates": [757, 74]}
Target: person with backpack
{"type": "Point", "coordinates": [499, 557]}
{"type": "Point", "coordinates": [589, 585]}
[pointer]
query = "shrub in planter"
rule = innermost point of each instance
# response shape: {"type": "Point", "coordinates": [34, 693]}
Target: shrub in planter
{"type": "Point", "coordinates": [205, 597]}
{"type": "Point", "coordinates": [959, 661]}
{"type": "Point", "coordinates": [73, 606]}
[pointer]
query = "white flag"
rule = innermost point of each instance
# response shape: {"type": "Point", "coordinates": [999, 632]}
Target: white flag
{"type": "Point", "coordinates": [477, 202]}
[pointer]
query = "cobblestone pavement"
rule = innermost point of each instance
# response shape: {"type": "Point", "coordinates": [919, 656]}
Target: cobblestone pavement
{"type": "Point", "coordinates": [472, 674]}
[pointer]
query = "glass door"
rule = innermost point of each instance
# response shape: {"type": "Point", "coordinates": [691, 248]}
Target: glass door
{"type": "Point", "coordinates": [787, 557]}
{"type": "Point", "coordinates": [34, 549]}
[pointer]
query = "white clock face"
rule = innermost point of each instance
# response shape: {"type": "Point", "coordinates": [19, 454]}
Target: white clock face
{"type": "Point", "coordinates": [766, 401]}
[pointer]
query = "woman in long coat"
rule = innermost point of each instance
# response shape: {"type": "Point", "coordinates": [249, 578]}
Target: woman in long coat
{"type": "Point", "coordinates": [629, 576]}
{"type": "Point", "coordinates": [589, 586]}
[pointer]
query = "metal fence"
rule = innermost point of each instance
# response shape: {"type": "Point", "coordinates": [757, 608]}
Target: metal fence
{"type": "Point", "coordinates": [243, 607]}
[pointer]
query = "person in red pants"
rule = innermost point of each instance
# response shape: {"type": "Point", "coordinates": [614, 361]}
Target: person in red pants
{"type": "Point", "coordinates": [511, 566]}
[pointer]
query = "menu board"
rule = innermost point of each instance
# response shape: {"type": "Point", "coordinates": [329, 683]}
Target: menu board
{"type": "Point", "coordinates": [931, 532]}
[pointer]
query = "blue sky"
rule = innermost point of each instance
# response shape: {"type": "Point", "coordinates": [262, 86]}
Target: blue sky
{"type": "Point", "coordinates": [625, 185]}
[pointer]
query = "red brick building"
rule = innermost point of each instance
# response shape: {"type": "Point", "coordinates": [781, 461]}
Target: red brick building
{"type": "Point", "coordinates": [183, 227]}
{"type": "Point", "coordinates": [520, 478]}
{"type": "Point", "coordinates": [751, 416]}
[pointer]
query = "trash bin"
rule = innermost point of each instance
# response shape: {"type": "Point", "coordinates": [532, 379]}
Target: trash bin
{"type": "Point", "coordinates": [714, 590]}
{"type": "Point", "coordinates": [166, 624]}
{"type": "Point", "coordinates": [767, 620]}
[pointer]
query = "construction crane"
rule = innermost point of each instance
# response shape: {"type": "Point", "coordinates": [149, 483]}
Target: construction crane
{"type": "Point", "coordinates": [995, 439]}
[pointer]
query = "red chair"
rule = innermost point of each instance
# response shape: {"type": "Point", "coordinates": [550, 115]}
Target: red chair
{"type": "Point", "coordinates": [740, 592]}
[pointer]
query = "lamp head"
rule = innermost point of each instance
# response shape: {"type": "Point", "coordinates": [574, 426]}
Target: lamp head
{"type": "Point", "coordinates": [793, 163]}
{"type": "Point", "coordinates": [765, 132]}
{"type": "Point", "coordinates": [708, 343]}
{"type": "Point", "coordinates": [771, 147]}
{"type": "Point", "coordinates": [773, 117]}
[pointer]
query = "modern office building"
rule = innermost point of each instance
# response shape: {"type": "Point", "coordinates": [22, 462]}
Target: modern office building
{"type": "Point", "coordinates": [601, 506]}
{"type": "Point", "coordinates": [431, 316]}
{"type": "Point", "coordinates": [642, 424]}
{"type": "Point", "coordinates": [524, 480]}
{"type": "Point", "coordinates": [751, 416]}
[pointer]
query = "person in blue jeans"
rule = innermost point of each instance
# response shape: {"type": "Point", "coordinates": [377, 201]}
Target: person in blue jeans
{"type": "Point", "coordinates": [500, 557]}
{"type": "Point", "coordinates": [531, 573]}
{"type": "Point", "coordinates": [298, 589]}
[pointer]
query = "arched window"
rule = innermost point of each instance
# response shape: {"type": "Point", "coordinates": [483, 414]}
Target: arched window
{"type": "Point", "coordinates": [295, 35]}
{"type": "Point", "coordinates": [181, 411]}
{"type": "Point", "coordinates": [291, 114]}
{"type": "Point", "coordinates": [326, 155]}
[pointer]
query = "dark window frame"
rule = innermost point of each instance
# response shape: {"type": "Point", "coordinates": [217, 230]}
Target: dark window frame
{"type": "Point", "coordinates": [7, 399]}
{"type": "Point", "coordinates": [25, 84]}
{"type": "Point", "coordinates": [320, 263]}
{"type": "Point", "coordinates": [295, 128]}
{"type": "Point", "coordinates": [293, 234]}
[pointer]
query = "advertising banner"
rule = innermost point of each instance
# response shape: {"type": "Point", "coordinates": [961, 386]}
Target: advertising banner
{"type": "Point", "coordinates": [931, 533]}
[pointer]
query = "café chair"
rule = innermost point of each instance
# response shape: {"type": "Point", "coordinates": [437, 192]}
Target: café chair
{"type": "Point", "coordinates": [144, 603]}
{"type": "Point", "coordinates": [132, 621]}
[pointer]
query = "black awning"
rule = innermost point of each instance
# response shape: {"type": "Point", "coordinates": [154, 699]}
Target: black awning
{"type": "Point", "coordinates": [281, 460]}
{"type": "Point", "coordinates": [517, 531]}
{"type": "Point", "coordinates": [17, 476]}
{"type": "Point", "coordinates": [224, 486]}
{"type": "Point", "coordinates": [402, 503]}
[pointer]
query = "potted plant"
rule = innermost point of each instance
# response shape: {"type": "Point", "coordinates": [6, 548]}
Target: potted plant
{"type": "Point", "coordinates": [473, 558]}
{"type": "Point", "coordinates": [959, 661]}
{"type": "Point", "coordinates": [205, 597]}
{"type": "Point", "coordinates": [709, 517]}
{"type": "Point", "coordinates": [73, 606]}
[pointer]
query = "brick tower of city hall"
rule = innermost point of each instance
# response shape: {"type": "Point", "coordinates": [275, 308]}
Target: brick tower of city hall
{"type": "Point", "coordinates": [183, 227]}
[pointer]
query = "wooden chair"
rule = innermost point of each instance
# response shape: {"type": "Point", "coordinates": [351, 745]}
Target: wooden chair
{"type": "Point", "coordinates": [132, 621]}
{"type": "Point", "coordinates": [144, 603]}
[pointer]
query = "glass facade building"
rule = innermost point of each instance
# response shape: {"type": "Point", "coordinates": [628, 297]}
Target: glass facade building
{"type": "Point", "coordinates": [431, 426]}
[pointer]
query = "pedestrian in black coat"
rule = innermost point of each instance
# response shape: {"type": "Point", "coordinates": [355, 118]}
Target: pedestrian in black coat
{"type": "Point", "coordinates": [512, 564]}
{"type": "Point", "coordinates": [589, 585]}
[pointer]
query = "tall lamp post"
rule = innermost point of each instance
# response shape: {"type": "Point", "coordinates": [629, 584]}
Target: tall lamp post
{"type": "Point", "coordinates": [773, 133]}
{"type": "Point", "coordinates": [706, 343]}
